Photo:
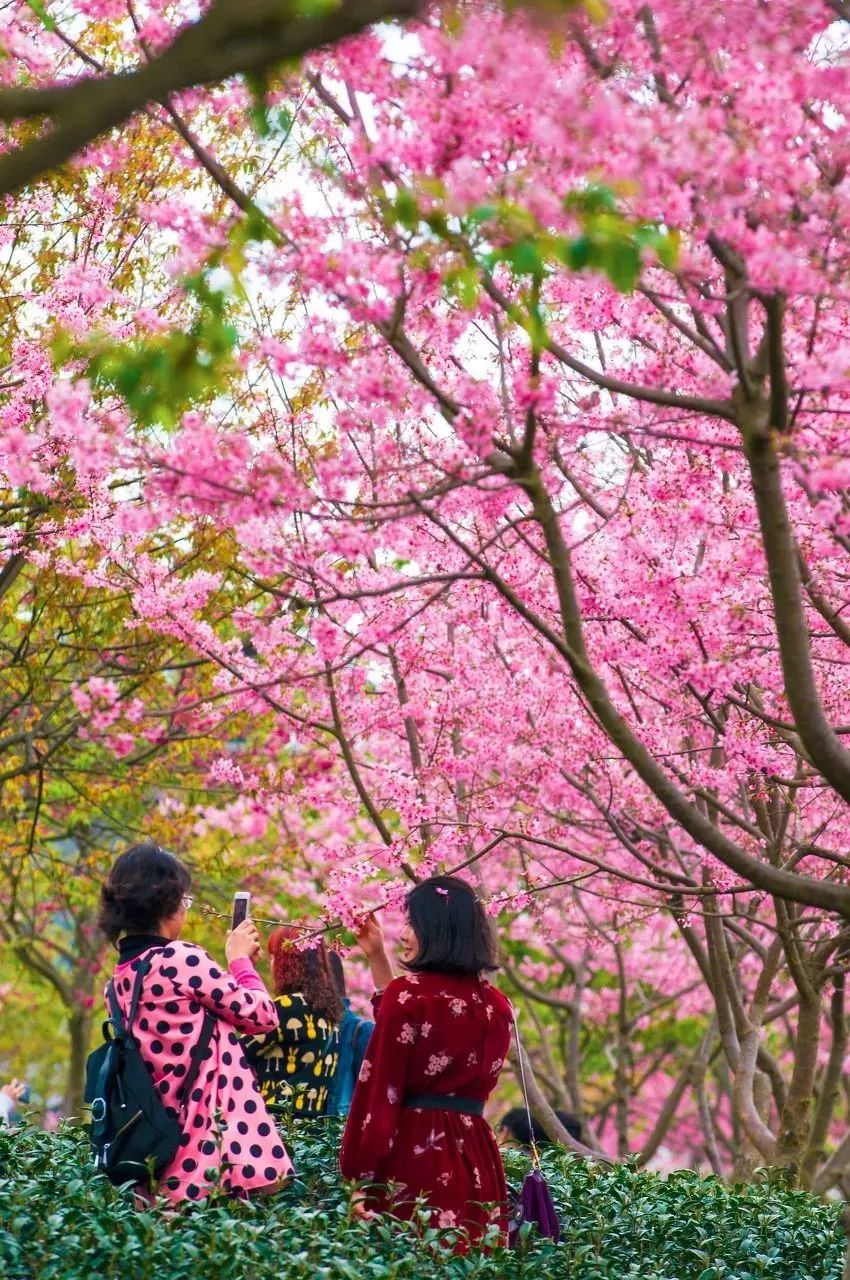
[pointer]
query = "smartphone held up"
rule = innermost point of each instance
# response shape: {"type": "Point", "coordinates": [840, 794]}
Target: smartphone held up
{"type": "Point", "coordinates": [241, 908]}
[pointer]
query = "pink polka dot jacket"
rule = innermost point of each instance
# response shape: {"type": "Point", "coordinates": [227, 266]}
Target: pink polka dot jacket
{"type": "Point", "coordinates": [228, 1136]}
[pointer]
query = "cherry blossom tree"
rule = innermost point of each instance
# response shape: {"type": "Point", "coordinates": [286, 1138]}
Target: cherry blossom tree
{"type": "Point", "coordinates": [527, 476]}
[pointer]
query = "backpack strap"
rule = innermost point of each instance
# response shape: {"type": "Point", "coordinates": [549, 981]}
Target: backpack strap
{"type": "Point", "coordinates": [116, 1017]}
{"type": "Point", "coordinates": [141, 973]}
{"type": "Point", "coordinates": [99, 1109]}
{"type": "Point", "coordinates": [196, 1058]}
{"type": "Point", "coordinates": [124, 1028]}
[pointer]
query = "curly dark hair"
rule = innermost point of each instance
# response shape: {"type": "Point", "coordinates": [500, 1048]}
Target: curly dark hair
{"type": "Point", "coordinates": [143, 888]}
{"type": "Point", "coordinates": [307, 971]}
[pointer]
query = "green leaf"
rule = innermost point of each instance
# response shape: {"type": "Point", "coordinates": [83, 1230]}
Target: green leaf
{"type": "Point", "coordinates": [576, 254]}
{"type": "Point", "coordinates": [258, 85]}
{"type": "Point", "coordinates": [592, 199]}
{"type": "Point", "coordinates": [407, 209]}
{"type": "Point", "coordinates": [667, 249]}
{"type": "Point", "coordinates": [525, 258]}
{"type": "Point", "coordinates": [463, 284]}
{"type": "Point", "coordinates": [623, 264]}
{"type": "Point", "coordinates": [481, 213]}
{"type": "Point", "coordinates": [41, 13]}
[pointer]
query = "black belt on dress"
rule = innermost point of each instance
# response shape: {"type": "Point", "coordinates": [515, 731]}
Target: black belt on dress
{"type": "Point", "coordinates": [445, 1102]}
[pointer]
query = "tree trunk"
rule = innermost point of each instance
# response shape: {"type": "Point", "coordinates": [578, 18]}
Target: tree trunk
{"type": "Point", "coordinates": [795, 1122]}
{"type": "Point", "coordinates": [707, 1124]}
{"type": "Point", "coordinates": [832, 1173]}
{"type": "Point", "coordinates": [749, 1157]}
{"type": "Point", "coordinates": [80, 1023]}
{"type": "Point", "coordinates": [574, 1041]}
{"type": "Point", "coordinates": [830, 1085]}
{"type": "Point", "coordinates": [622, 1074]}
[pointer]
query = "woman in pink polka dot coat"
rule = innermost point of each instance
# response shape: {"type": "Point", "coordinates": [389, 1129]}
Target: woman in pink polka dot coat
{"type": "Point", "coordinates": [228, 1137]}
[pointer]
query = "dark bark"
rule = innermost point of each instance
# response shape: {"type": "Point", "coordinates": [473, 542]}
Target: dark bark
{"type": "Point", "coordinates": [830, 1084]}
{"type": "Point", "coordinates": [816, 733]}
{"type": "Point", "coordinates": [80, 1025]}
{"type": "Point", "coordinates": [233, 37]}
{"type": "Point", "coordinates": [623, 1059]}
{"type": "Point", "coordinates": [795, 1121]}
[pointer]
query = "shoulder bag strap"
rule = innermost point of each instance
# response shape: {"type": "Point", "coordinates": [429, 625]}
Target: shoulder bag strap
{"type": "Point", "coordinates": [124, 1028]}
{"type": "Point", "coordinates": [116, 1017]}
{"type": "Point", "coordinates": [520, 1053]}
{"type": "Point", "coordinates": [141, 973]}
{"type": "Point", "coordinates": [196, 1058]}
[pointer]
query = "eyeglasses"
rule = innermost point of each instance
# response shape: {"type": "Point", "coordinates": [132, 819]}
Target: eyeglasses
{"type": "Point", "coordinates": [187, 900]}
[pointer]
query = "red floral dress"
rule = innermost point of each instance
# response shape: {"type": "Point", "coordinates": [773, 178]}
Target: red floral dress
{"type": "Point", "coordinates": [434, 1034]}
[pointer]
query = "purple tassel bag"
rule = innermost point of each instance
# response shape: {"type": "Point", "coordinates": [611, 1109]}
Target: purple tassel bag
{"type": "Point", "coordinates": [535, 1204]}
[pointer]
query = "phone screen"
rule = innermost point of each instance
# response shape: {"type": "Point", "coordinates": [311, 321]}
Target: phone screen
{"type": "Point", "coordinates": [241, 905]}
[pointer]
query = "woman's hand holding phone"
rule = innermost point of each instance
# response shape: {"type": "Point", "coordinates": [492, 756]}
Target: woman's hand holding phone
{"type": "Point", "coordinates": [243, 942]}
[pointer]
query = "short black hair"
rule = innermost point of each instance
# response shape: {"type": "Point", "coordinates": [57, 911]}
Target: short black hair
{"type": "Point", "coordinates": [516, 1123]}
{"type": "Point", "coordinates": [451, 928]}
{"type": "Point", "coordinates": [144, 887]}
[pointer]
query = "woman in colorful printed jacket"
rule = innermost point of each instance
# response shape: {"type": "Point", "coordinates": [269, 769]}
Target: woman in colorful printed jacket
{"type": "Point", "coordinates": [295, 1062]}
{"type": "Point", "coordinates": [416, 1131]}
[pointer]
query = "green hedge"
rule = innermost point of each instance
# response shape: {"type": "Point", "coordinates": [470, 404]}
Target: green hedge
{"type": "Point", "coordinates": [58, 1220]}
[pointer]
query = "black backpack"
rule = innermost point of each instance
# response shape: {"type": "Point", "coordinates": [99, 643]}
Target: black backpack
{"type": "Point", "coordinates": [133, 1135]}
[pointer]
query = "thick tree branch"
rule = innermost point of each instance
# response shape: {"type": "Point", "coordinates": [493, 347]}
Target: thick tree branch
{"type": "Point", "coordinates": [775, 308]}
{"type": "Point", "coordinates": [705, 343]}
{"type": "Point", "coordinates": [830, 1084]}
{"type": "Point", "coordinates": [695, 822]}
{"type": "Point", "coordinates": [755, 1127]}
{"type": "Point", "coordinates": [736, 322]}
{"type": "Point", "coordinates": [412, 734]}
{"type": "Point", "coordinates": [351, 764]}
{"type": "Point", "coordinates": [234, 37]}
{"type": "Point", "coordinates": [10, 571]}
{"type": "Point", "coordinates": [816, 733]}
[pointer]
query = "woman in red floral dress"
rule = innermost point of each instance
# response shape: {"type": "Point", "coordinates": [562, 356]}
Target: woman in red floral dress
{"type": "Point", "coordinates": [416, 1131]}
